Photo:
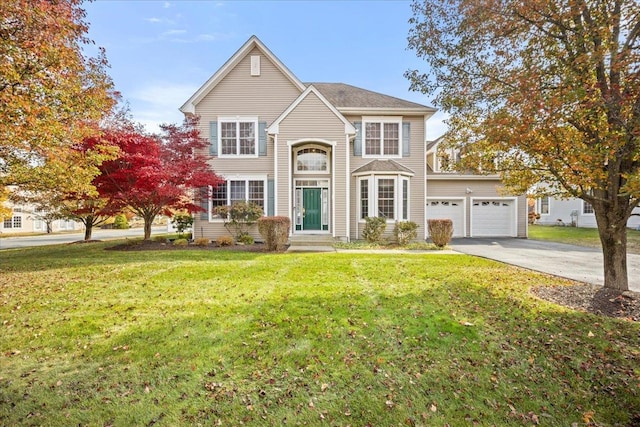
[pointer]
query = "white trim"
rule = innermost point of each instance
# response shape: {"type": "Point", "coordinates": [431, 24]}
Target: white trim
{"type": "Point", "coordinates": [237, 120]}
{"type": "Point", "coordinates": [583, 213]}
{"type": "Point", "coordinates": [290, 188]}
{"type": "Point", "coordinates": [514, 229]}
{"type": "Point", "coordinates": [293, 143]}
{"type": "Point", "coordinates": [332, 225]}
{"type": "Point", "coordinates": [383, 110]}
{"type": "Point", "coordinates": [464, 213]}
{"type": "Point", "coordinates": [324, 149]}
{"type": "Point", "coordinates": [275, 126]}
{"type": "Point", "coordinates": [275, 175]}
{"type": "Point", "coordinates": [465, 177]}
{"type": "Point", "coordinates": [347, 178]}
{"type": "Point", "coordinates": [246, 179]}
{"type": "Point", "coordinates": [425, 187]}
{"type": "Point", "coordinates": [539, 206]}
{"type": "Point", "coordinates": [382, 120]}
{"type": "Point", "coordinates": [253, 42]}
{"type": "Point", "coordinates": [373, 196]}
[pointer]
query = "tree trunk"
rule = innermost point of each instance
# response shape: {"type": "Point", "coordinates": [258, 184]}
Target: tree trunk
{"type": "Point", "coordinates": [147, 227]}
{"type": "Point", "coordinates": [613, 236]}
{"type": "Point", "coordinates": [88, 229]}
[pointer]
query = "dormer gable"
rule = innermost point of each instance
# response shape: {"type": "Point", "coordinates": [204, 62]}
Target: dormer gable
{"type": "Point", "coordinates": [441, 158]}
{"type": "Point", "coordinates": [251, 47]}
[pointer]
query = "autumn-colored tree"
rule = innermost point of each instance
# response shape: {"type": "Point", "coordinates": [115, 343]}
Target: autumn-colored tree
{"type": "Point", "coordinates": [5, 211]}
{"type": "Point", "coordinates": [156, 173]}
{"type": "Point", "coordinates": [51, 94]}
{"type": "Point", "coordinates": [542, 91]}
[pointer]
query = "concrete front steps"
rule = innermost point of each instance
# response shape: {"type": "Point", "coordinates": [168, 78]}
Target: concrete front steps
{"type": "Point", "coordinates": [311, 243]}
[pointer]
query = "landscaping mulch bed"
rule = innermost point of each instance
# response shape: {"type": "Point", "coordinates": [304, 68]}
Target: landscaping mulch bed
{"type": "Point", "coordinates": [594, 299]}
{"type": "Point", "coordinates": [143, 245]}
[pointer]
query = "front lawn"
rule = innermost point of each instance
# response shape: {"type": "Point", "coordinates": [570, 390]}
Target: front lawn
{"type": "Point", "coordinates": [95, 337]}
{"type": "Point", "coordinates": [580, 236]}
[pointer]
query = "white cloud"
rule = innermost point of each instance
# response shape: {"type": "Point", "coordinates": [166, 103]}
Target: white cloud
{"type": "Point", "coordinates": [166, 5]}
{"type": "Point", "coordinates": [153, 20]}
{"type": "Point", "coordinates": [173, 33]}
{"type": "Point", "coordinates": [159, 103]}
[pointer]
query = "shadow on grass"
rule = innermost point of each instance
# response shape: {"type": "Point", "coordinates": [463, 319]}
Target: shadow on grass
{"type": "Point", "coordinates": [100, 254]}
{"type": "Point", "coordinates": [340, 347]}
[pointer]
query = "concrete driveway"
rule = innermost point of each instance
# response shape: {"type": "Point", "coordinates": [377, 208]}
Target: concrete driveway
{"type": "Point", "coordinates": [573, 262]}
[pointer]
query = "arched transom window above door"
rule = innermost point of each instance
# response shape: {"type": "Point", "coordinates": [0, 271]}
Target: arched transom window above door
{"type": "Point", "coordinates": [312, 160]}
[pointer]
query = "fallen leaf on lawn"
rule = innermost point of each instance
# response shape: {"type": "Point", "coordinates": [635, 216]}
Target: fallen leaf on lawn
{"type": "Point", "coordinates": [433, 407]}
{"type": "Point", "coordinates": [324, 386]}
{"type": "Point", "coordinates": [389, 403]}
{"type": "Point", "coordinates": [591, 334]}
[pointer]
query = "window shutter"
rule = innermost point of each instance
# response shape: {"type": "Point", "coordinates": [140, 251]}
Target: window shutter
{"type": "Point", "coordinates": [357, 143]}
{"type": "Point", "coordinates": [406, 139]}
{"type": "Point", "coordinates": [213, 138]}
{"type": "Point", "coordinates": [262, 138]}
{"type": "Point", "coordinates": [270, 197]}
{"type": "Point", "coordinates": [204, 203]}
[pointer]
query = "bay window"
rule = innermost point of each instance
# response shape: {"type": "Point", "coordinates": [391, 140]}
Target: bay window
{"type": "Point", "coordinates": [384, 196]}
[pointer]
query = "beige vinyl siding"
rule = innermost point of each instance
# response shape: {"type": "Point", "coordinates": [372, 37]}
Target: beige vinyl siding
{"type": "Point", "coordinates": [311, 121]}
{"type": "Point", "coordinates": [415, 161]}
{"type": "Point", "coordinates": [457, 188]}
{"type": "Point", "coordinates": [240, 94]}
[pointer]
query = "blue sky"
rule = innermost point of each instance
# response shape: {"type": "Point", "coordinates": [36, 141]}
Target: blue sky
{"type": "Point", "coordinates": [161, 52]}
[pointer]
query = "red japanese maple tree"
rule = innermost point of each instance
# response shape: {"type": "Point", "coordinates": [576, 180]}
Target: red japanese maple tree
{"type": "Point", "coordinates": [156, 174]}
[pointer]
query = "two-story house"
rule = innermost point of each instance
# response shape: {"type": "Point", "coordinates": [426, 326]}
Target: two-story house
{"type": "Point", "coordinates": [327, 155]}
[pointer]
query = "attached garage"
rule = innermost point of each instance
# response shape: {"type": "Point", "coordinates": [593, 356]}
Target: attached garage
{"type": "Point", "coordinates": [452, 209]}
{"type": "Point", "coordinates": [494, 217]}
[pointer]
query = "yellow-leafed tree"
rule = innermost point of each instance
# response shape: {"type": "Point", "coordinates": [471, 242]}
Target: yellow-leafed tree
{"type": "Point", "coordinates": [542, 91]}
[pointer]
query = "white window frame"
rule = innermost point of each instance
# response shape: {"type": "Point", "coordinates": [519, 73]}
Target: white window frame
{"type": "Point", "coordinates": [584, 205]}
{"type": "Point", "coordinates": [237, 120]}
{"type": "Point", "coordinates": [382, 120]}
{"type": "Point", "coordinates": [539, 206]}
{"type": "Point", "coordinates": [246, 179]}
{"type": "Point", "coordinates": [327, 152]}
{"type": "Point", "coordinates": [373, 206]}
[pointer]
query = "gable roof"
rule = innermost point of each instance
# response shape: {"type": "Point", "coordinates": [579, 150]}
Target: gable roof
{"type": "Point", "coordinates": [253, 42]}
{"type": "Point", "coordinates": [383, 166]}
{"type": "Point", "coordinates": [348, 98]}
{"type": "Point", "coordinates": [348, 127]}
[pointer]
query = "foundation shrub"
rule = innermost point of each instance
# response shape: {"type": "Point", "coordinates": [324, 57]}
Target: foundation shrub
{"type": "Point", "coordinates": [275, 231]}
{"type": "Point", "coordinates": [405, 232]}
{"type": "Point", "coordinates": [224, 241]}
{"type": "Point", "coordinates": [374, 228]}
{"type": "Point", "coordinates": [440, 231]}
{"type": "Point", "coordinates": [201, 241]}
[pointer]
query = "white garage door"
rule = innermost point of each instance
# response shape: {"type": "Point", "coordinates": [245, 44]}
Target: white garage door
{"type": "Point", "coordinates": [452, 209]}
{"type": "Point", "coordinates": [493, 218]}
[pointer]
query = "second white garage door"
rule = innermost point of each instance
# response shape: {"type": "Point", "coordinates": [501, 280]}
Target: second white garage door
{"type": "Point", "coordinates": [493, 218]}
{"type": "Point", "coordinates": [452, 209]}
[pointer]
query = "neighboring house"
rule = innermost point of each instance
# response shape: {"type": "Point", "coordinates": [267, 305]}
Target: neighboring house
{"type": "Point", "coordinates": [26, 219]}
{"type": "Point", "coordinates": [328, 155]}
{"type": "Point", "coordinates": [574, 212]}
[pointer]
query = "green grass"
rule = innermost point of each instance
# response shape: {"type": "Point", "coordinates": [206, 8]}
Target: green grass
{"type": "Point", "coordinates": [95, 337]}
{"type": "Point", "coordinates": [580, 236]}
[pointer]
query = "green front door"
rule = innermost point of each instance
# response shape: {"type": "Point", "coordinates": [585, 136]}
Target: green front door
{"type": "Point", "coordinates": [311, 202]}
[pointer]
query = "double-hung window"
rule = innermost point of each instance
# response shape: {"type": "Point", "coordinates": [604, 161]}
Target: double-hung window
{"type": "Point", "coordinates": [384, 196]}
{"type": "Point", "coordinates": [233, 190]}
{"type": "Point", "coordinates": [13, 222]}
{"type": "Point", "coordinates": [382, 137]}
{"type": "Point", "coordinates": [238, 137]}
{"type": "Point", "coordinates": [587, 208]}
{"type": "Point", "coordinates": [543, 205]}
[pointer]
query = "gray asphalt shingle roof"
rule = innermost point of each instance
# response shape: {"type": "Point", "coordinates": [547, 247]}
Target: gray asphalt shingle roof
{"type": "Point", "coordinates": [383, 166]}
{"type": "Point", "coordinates": [342, 95]}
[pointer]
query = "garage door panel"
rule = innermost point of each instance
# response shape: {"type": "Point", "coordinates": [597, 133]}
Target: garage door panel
{"type": "Point", "coordinates": [448, 209]}
{"type": "Point", "coordinates": [492, 218]}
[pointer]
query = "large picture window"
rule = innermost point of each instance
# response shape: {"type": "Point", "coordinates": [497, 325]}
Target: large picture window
{"type": "Point", "coordinates": [238, 137]}
{"type": "Point", "coordinates": [384, 196]}
{"type": "Point", "coordinates": [382, 138]}
{"type": "Point", "coordinates": [238, 190]}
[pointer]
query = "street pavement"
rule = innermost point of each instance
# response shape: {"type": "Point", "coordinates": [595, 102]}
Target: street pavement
{"type": "Point", "coordinates": [570, 261]}
{"type": "Point", "coordinates": [60, 238]}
